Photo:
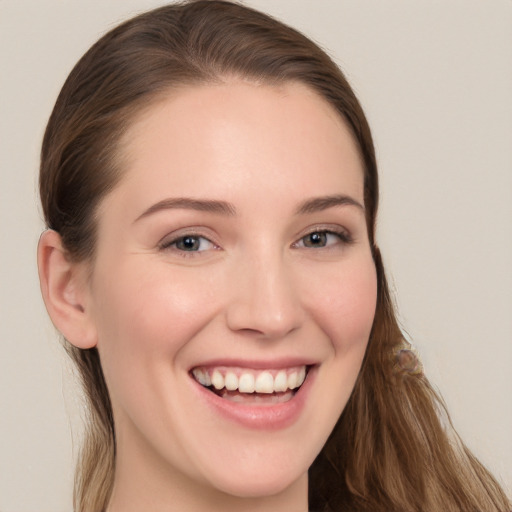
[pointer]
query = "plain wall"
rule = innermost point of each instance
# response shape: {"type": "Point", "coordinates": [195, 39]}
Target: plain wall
{"type": "Point", "coordinates": [435, 79]}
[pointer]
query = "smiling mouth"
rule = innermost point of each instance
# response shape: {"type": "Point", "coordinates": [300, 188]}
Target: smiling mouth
{"type": "Point", "coordinates": [252, 386]}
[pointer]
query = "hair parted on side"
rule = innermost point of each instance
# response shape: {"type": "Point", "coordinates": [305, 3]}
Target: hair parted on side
{"type": "Point", "coordinates": [390, 449]}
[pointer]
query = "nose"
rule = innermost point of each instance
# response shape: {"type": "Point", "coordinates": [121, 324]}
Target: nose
{"type": "Point", "coordinates": [265, 301]}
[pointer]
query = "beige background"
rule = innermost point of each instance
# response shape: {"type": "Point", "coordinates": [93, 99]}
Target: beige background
{"type": "Point", "coordinates": [435, 78]}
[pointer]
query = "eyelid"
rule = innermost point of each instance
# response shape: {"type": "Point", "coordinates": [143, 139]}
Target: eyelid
{"type": "Point", "coordinates": [168, 240]}
{"type": "Point", "coordinates": [327, 228]}
{"type": "Point", "coordinates": [171, 238]}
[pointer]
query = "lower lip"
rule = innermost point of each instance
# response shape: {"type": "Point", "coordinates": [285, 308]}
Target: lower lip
{"type": "Point", "coordinates": [259, 416]}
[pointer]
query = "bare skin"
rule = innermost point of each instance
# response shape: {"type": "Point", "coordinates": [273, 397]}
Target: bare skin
{"type": "Point", "coordinates": [236, 238]}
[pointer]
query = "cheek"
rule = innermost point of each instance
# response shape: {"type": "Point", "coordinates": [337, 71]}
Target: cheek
{"type": "Point", "coordinates": [344, 306]}
{"type": "Point", "coordinates": [149, 314]}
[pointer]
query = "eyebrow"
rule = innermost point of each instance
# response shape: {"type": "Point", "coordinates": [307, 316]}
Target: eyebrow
{"type": "Point", "coordinates": [201, 205]}
{"type": "Point", "coordinates": [316, 204]}
{"type": "Point", "coordinates": [319, 204]}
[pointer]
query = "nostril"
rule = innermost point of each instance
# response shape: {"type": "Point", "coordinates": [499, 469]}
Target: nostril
{"type": "Point", "coordinates": [257, 322]}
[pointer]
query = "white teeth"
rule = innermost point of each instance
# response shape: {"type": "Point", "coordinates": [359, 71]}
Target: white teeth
{"type": "Point", "coordinates": [217, 380]}
{"type": "Point", "coordinates": [295, 379]}
{"type": "Point", "coordinates": [292, 380]}
{"type": "Point", "coordinates": [281, 381]}
{"type": "Point", "coordinates": [302, 376]}
{"type": "Point", "coordinates": [200, 376]}
{"type": "Point", "coordinates": [231, 381]}
{"type": "Point", "coordinates": [264, 383]}
{"type": "Point", "coordinates": [246, 383]}
{"type": "Point", "coordinates": [250, 381]}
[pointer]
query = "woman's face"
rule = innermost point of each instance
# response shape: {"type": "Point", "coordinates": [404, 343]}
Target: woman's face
{"type": "Point", "coordinates": [233, 251]}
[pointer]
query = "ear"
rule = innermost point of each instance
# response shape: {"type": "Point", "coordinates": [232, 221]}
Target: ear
{"type": "Point", "coordinates": [64, 288]}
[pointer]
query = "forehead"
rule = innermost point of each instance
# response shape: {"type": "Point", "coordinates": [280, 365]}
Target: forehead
{"type": "Point", "coordinates": [236, 134]}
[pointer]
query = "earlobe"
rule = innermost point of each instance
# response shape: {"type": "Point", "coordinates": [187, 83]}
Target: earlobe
{"type": "Point", "coordinates": [63, 287]}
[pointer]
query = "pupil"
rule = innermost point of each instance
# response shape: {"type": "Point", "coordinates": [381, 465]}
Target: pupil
{"type": "Point", "coordinates": [316, 239]}
{"type": "Point", "coordinates": [189, 243]}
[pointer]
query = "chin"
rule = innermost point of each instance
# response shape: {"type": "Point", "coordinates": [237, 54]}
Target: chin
{"type": "Point", "coordinates": [259, 484]}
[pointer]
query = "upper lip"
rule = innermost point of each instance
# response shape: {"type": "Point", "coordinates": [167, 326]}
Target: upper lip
{"type": "Point", "coordinates": [257, 364]}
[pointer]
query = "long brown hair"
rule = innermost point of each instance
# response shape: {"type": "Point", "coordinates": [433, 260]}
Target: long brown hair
{"type": "Point", "coordinates": [393, 447]}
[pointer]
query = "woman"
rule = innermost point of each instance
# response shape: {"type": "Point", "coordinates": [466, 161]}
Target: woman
{"type": "Point", "coordinates": [209, 182]}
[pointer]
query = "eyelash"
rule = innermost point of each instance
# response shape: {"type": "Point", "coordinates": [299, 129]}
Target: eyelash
{"type": "Point", "coordinates": [344, 238]}
{"type": "Point", "coordinates": [172, 245]}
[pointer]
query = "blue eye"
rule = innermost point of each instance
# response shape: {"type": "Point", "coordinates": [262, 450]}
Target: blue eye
{"type": "Point", "coordinates": [189, 243]}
